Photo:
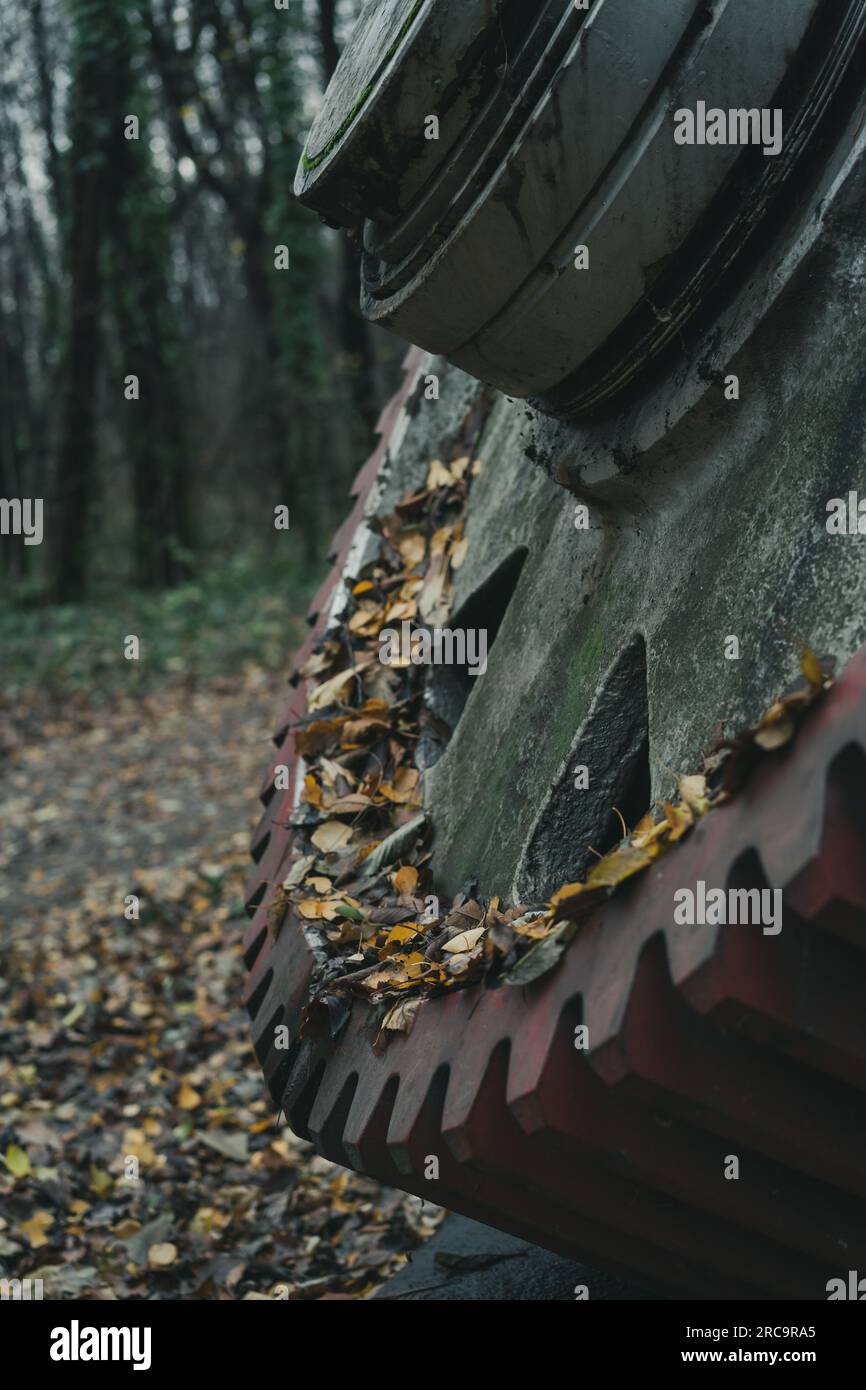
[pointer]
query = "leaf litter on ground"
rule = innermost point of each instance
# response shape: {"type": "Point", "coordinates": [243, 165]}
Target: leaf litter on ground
{"type": "Point", "coordinates": [139, 1158]}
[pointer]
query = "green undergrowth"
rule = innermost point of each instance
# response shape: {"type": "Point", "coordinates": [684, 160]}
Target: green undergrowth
{"type": "Point", "coordinates": [245, 610]}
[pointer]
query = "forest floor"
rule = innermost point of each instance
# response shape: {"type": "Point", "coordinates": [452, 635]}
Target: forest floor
{"type": "Point", "coordinates": [139, 1157]}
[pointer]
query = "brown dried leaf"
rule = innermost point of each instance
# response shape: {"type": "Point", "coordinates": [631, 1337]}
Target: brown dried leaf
{"type": "Point", "coordinates": [401, 1018]}
{"type": "Point", "coordinates": [161, 1255]}
{"type": "Point", "coordinates": [360, 730]}
{"type": "Point", "coordinates": [397, 938]}
{"type": "Point", "coordinates": [405, 880]}
{"type": "Point", "coordinates": [403, 789]}
{"type": "Point", "coordinates": [337, 688]}
{"type": "Point", "coordinates": [812, 669]}
{"type": "Point", "coordinates": [413, 549]}
{"type": "Point", "coordinates": [318, 735]}
{"type": "Point", "coordinates": [331, 835]}
{"type": "Point", "coordinates": [438, 475]}
{"type": "Point", "coordinates": [620, 864]}
{"type": "Point", "coordinates": [187, 1098]}
{"type": "Point", "coordinates": [298, 871]}
{"type": "Point", "coordinates": [314, 909]}
{"type": "Point", "coordinates": [464, 941]}
{"type": "Point", "coordinates": [693, 791]}
{"type": "Point", "coordinates": [678, 819]}
{"type": "Point", "coordinates": [319, 883]}
{"type": "Point", "coordinates": [350, 805]}
{"type": "Point", "coordinates": [776, 728]}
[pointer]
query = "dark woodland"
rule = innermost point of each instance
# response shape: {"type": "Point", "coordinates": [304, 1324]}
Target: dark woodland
{"type": "Point", "coordinates": [154, 257]}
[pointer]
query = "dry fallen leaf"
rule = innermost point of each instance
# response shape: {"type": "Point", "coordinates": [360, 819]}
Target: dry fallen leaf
{"type": "Point", "coordinates": [541, 957]}
{"type": "Point", "coordinates": [438, 475]}
{"type": "Point", "coordinates": [317, 735]}
{"type": "Point", "coordinates": [464, 941]}
{"type": "Point", "coordinates": [406, 880]}
{"type": "Point", "coordinates": [458, 554]}
{"type": "Point", "coordinates": [397, 937]}
{"type": "Point", "coordinates": [100, 1182]}
{"type": "Point", "coordinates": [693, 791]}
{"type": "Point", "coordinates": [812, 669]}
{"type": "Point", "coordinates": [277, 910]}
{"type": "Point", "coordinates": [319, 883]}
{"type": "Point", "coordinates": [298, 871]}
{"type": "Point", "coordinates": [368, 727]}
{"type": "Point", "coordinates": [366, 620]}
{"type": "Point", "coordinates": [775, 729]}
{"type": "Point", "coordinates": [404, 788]}
{"type": "Point", "coordinates": [619, 865]}
{"type": "Point", "coordinates": [188, 1097]}
{"type": "Point", "coordinates": [678, 819]}
{"type": "Point", "coordinates": [350, 805]}
{"type": "Point", "coordinates": [401, 1018]}
{"type": "Point", "coordinates": [316, 909]}
{"type": "Point", "coordinates": [161, 1255]}
{"type": "Point", "coordinates": [333, 690]}
{"type": "Point", "coordinates": [35, 1229]}
{"type": "Point", "coordinates": [17, 1161]}
{"type": "Point", "coordinates": [331, 835]}
{"type": "Point", "coordinates": [413, 548]}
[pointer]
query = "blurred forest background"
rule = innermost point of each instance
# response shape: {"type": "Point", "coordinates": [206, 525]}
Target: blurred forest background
{"type": "Point", "coordinates": [155, 258]}
{"type": "Point", "coordinates": [122, 1036]}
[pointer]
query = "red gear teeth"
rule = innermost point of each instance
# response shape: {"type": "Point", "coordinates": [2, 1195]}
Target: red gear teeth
{"type": "Point", "coordinates": [704, 1042]}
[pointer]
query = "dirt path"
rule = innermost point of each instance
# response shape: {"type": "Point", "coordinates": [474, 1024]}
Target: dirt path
{"type": "Point", "coordinates": [155, 782]}
{"type": "Point", "coordinates": [138, 1157]}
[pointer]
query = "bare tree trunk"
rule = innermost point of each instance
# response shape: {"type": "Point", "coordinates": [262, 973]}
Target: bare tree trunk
{"type": "Point", "coordinates": [76, 459]}
{"type": "Point", "coordinates": [100, 67]}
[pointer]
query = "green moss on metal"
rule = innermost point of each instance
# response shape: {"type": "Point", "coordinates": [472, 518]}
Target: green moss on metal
{"type": "Point", "coordinates": [311, 162]}
{"type": "Point", "coordinates": [583, 675]}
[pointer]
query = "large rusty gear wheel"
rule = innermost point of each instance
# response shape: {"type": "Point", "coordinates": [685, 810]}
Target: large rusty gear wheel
{"type": "Point", "coordinates": [704, 1045]}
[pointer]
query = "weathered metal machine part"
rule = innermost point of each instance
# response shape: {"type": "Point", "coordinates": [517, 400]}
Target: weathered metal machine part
{"type": "Point", "coordinates": [709, 375]}
{"type": "Point", "coordinates": [555, 130]}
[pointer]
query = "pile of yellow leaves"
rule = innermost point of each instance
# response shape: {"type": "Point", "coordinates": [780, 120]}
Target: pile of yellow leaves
{"type": "Point", "coordinates": [361, 883]}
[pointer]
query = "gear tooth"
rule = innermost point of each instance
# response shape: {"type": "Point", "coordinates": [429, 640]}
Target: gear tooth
{"type": "Point", "coordinates": [257, 972]}
{"type": "Point", "coordinates": [254, 946]}
{"type": "Point", "coordinates": [467, 1120]}
{"type": "Point", "coordinates": [415, 1119]}
{"type": "Point", "coordinates": [711, 1076]}
{"type": "Point", "coordinates": [342, 537]}
{"type": "Point", "coordinates": [273, 850]}
{"type": "Point", "coordinates": [255, 936]}
{"type": "Point", "coordinates": [479, 1066]}
{"type": "Point", "coordinates": [366, 1128]}
{"type": "Point", "coordinates": [586, 1117]}
{"type": "Point", "coordinates": [258, 985]}
{"type": "Point", "coordinates": [594, 1187]}
{"type": "Point", "coordinates": [276, 1063]}
{"type": "Point", "coordinates": [307, 1065]}
{"type": "Point", "coordinates": [831, 889]}
{"type": "Point", "coordinates": [534, 1093]}
{"type": "Point", "coordinates": [328, 1115]}
{"type": "Point", "coordinates": [262, 833]}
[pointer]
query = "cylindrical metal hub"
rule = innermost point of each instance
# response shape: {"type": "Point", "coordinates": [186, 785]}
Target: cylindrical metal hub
{"type": "Point", "coordinates": [478, 145]}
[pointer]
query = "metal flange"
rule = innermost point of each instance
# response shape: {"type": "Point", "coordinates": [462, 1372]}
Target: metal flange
{"type": "Point", "coordinates": [556, 130]}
